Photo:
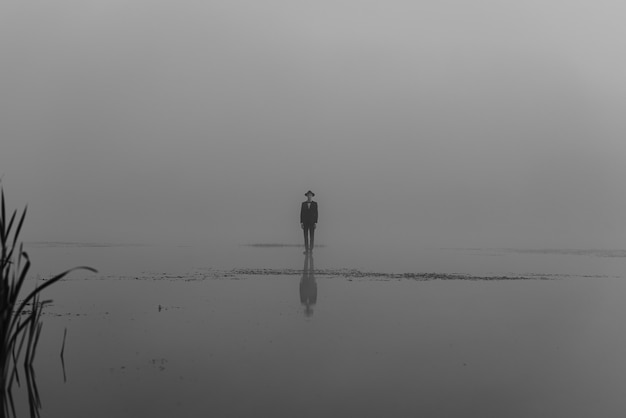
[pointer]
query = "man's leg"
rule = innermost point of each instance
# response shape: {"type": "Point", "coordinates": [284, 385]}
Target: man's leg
{"type": "Point", "coordinates": [312, 229]}
{"type": "Point", "coordinates": [306, 237]}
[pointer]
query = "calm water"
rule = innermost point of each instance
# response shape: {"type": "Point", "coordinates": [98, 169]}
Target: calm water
{"type": "Point", "coordinates": [237, 331]}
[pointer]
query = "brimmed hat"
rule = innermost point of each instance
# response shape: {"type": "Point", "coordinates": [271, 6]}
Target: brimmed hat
{"type": "Point", "coordinates": [309, 192]}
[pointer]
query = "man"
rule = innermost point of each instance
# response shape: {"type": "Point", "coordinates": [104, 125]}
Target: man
{"type": "Point", "coordinates": [308, 221]}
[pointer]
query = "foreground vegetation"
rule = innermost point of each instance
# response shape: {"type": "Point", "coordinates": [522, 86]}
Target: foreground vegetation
{"type": "Point", "coordinates": [20, 317]}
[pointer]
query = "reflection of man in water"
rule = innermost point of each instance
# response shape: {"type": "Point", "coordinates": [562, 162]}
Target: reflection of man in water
{"type": "Point", "coordinates": [308, 220]}
{"type": "Point", "coordinates": [308, 286]}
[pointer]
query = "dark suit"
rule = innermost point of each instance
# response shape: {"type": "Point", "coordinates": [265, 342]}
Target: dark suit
{"type": "Point", "coordinates": [308, 218]}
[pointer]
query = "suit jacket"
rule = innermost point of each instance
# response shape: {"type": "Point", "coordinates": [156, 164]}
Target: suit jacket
{"type": "Point", "coordinates": [308, 216]}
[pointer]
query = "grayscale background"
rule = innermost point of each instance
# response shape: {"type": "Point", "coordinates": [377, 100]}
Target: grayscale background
{"type": "Point", "coordinates": [468, 162]}
{"type": "Point", "coordinates": [454, 124]}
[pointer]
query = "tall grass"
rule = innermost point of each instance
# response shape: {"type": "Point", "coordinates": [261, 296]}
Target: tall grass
{"type": "Point", "coordinates": [20, 318]}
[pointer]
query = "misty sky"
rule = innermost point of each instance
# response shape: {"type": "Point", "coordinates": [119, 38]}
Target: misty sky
{"type": "Point", "coordinates": [435, 123]}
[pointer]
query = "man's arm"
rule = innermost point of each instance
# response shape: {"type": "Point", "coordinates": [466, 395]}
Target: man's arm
{"type": "Point", "coordinates": [302, 213]}
{"type": "Point", "coordinates": [315, 213]}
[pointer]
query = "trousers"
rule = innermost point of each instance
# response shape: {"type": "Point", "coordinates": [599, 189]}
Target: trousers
{"type": "Point", "coordinates": [309, 232]}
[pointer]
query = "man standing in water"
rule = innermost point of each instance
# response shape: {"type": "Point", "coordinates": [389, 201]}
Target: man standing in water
{"type": "Point", "coordinates": [308, 220]}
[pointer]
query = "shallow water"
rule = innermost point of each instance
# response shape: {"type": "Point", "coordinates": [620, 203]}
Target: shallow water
{"type": "Point", "coordinates": [223, 331]}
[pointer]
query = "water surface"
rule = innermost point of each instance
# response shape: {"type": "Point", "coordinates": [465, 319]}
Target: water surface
{"type": "Point", "coordinates": [225, 331]}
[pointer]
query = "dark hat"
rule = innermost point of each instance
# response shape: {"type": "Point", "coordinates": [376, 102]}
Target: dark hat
{"type": "Point", "coordinates": [312, 194]}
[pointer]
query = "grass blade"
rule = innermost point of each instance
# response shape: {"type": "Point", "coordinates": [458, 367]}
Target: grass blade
{"type": "Point", "coordinates": [51, 281]}
{"type": "Point", "coordinates": [19, 225]}
{"type": "Point", "coordinates": [7, 230]}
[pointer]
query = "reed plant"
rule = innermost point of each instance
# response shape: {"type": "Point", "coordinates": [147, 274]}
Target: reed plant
{"type": "Point", "coordinates": [20, 316]}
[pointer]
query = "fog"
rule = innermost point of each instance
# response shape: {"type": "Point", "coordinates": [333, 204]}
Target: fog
{"type": "Point", "coordinates": [442, 124]}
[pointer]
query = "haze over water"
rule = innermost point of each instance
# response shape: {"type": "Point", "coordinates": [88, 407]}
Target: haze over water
{"type": "Point", "coordinates": [417, 124]}
{"type": "Point", "coordinates": [478, 147]}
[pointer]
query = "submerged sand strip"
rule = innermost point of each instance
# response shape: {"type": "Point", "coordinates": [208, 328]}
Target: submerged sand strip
{"type": "Point", "coordinates": [350, 274]}
{"type": "Point", "coordinates": [358, 274]}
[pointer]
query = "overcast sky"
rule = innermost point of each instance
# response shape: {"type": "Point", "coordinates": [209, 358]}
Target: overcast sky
{"type": "Point", "coordinates": [436, 123]}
